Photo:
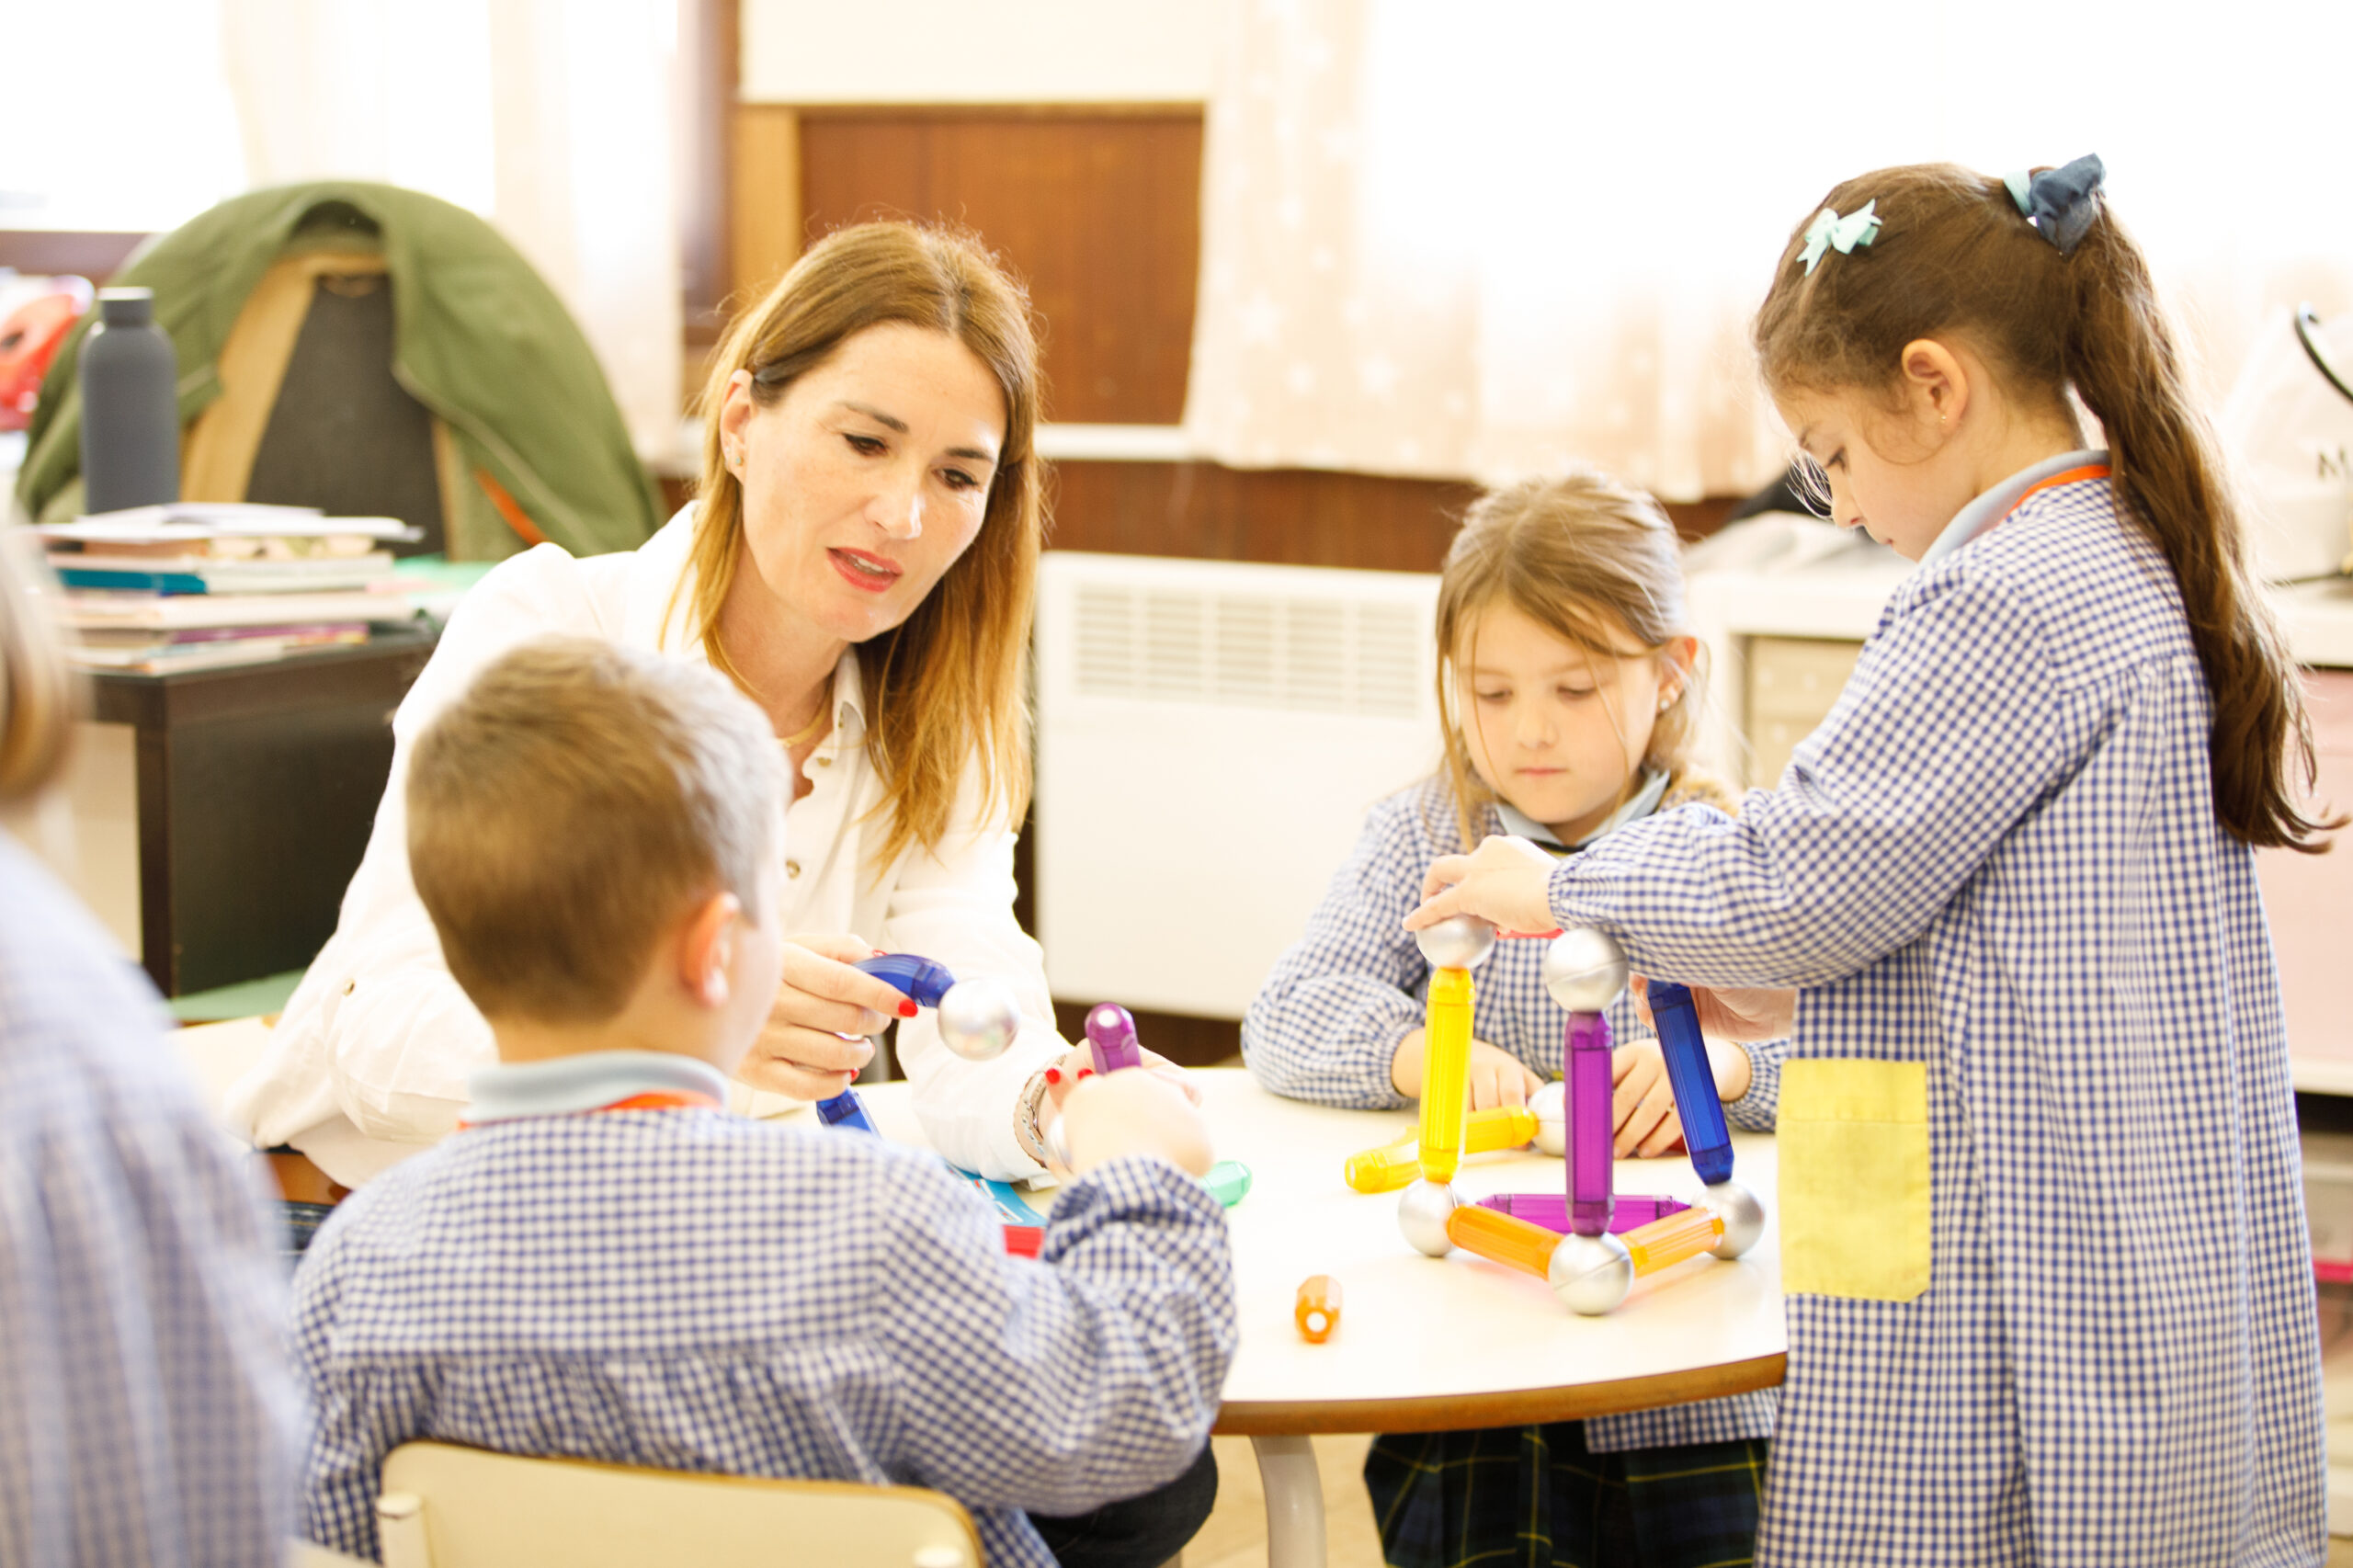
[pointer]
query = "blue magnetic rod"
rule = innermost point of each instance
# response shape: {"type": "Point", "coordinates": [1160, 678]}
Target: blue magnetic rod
{"type": "Point", "coordinates": [1704, 1133]}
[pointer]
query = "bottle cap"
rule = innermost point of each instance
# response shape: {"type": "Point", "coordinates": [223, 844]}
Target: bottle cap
{"type": "Point", "coordinates": [126, 307]}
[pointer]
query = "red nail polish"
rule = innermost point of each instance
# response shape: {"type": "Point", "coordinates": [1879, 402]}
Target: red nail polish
{"type": "Point", "coordinates": [1087, 1072]}
{"type": "Point", "coordinates": [907, 1009]}
{"type": "Point", "coordinates": [1054, 1074]}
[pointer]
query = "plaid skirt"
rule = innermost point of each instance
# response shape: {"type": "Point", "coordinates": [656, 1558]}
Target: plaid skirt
{"type": "Point", "coordinates": [1533, 1497]}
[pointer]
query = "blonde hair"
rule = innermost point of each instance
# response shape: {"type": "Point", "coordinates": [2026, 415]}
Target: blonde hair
{"type": "Point", "coordinates": [1591, 561]}
{"type": "Point", "coordinates": [1954, 256]}
{"type": "Point", "coordinates": [953, 675]}
{"type": "Point", "coordinates": [578, 799]}
{"type": "Point", "coordinates": [39, 694]}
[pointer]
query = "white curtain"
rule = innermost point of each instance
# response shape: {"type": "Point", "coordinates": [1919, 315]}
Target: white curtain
{"type": "Point", "coordinates": [552, 118]}
{"type": "Point", "coordinates": [1491, 237]}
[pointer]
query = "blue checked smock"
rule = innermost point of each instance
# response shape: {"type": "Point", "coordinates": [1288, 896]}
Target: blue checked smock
{"type": "Point", "coordinates": [147, 1416]}
{"type": "Point", "coordinates": [1997, 864]}
{"type": "Point", "coordinates": [691, 1291]}
{"type": "Point", "coordinates": [1324, 1026]}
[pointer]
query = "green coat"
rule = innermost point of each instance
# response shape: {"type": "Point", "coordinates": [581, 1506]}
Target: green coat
{"type": "Point", "coordinates": [477, 339]}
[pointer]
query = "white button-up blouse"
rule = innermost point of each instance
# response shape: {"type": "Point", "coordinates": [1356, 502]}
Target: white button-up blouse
{"type": "Point", "coordinates": [370, 1061]}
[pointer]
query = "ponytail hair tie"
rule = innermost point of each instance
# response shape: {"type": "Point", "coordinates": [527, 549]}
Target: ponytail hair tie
{"type": "Point", "coordinates": [2060, 203]}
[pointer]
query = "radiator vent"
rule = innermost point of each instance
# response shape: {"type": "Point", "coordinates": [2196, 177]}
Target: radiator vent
{"type": "Point", "coordinates": [1205, 726]}
{"type": "Point", "coordinates": [1299, 653]}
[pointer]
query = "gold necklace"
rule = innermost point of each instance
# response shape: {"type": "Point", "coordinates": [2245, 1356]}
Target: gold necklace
{"type": "Point", "coordinates": [825, 711]}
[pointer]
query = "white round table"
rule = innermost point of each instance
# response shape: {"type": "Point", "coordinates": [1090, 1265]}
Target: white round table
{"type": "Point", "coordinates": [1429, 1345]}
{"type": "Point", "coordinates": [1423, 1345]}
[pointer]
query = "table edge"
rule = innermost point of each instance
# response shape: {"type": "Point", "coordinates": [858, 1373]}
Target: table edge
{"type": "Point", "coordinates": [1509, 1407]}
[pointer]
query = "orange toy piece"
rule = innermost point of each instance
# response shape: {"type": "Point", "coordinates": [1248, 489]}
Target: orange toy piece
{"type": "Point", "coordinates": [1662, 1244]}
{"type": "Point", "coordinates": [1514, 1242]}
{"type": "Point", "coordinates": [1317, 1309]}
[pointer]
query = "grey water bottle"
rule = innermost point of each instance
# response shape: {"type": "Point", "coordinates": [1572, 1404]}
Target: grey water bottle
{"type": "Point", "coordinates": [131, 423]}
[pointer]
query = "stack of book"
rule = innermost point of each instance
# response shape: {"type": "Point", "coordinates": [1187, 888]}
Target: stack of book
{"type": "Point", "coordinates": [199, 585]}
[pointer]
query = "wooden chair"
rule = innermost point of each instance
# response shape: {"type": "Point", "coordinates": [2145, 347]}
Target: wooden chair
{"type": "Point", "coordinates": [446, 1507]}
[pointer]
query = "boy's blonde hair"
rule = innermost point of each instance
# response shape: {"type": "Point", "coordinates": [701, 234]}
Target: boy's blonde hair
{"type": "Point", "coordinates": [1591, 561]}
{"type": "Point", "coordinates": [576, 801]}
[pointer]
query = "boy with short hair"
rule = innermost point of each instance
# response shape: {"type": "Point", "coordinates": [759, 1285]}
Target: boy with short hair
{"type": "Point", "coordinates": [601, 1264]}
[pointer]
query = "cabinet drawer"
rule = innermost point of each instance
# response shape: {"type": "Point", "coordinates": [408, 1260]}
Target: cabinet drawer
{"type": "Point", "coordinates": [2309, 898]}
{"type": "Point", "coordinates": [1793, 682]}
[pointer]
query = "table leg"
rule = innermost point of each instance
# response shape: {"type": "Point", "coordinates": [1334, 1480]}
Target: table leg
{"type": "Point", "coordinates": [1294, 1502]}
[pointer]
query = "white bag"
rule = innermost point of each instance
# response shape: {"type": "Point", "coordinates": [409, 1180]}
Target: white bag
{"type": "Point", "coordinates": [2291, 434]}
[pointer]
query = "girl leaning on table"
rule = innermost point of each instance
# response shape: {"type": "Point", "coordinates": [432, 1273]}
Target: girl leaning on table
{"type": "Point", "coordinates": [2050, 1295]}
{"type": "Point", "coordinates": [1569, 682]}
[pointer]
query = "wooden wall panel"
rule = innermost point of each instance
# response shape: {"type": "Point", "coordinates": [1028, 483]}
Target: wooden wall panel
{"type": "Point", "coordinates": [765, 199]}
{"type": "Point", "coordinates": [1098, 209]}
{"type": "Point", "coordinates": [1288, 516]}
{"type": "Point", "coordinates": [93, 255]}
{"type": "Point", "coordinates": [1284, 516]}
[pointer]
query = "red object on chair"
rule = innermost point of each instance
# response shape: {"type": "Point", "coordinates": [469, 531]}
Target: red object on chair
{"type": "Point", "coordinates": [28, 341]}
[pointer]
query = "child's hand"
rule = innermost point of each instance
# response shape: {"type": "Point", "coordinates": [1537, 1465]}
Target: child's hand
{"type": "Point", "coordinates": [1064, 1074]}
{"type": "Point", "coordinates": [1112, 1114]}
{"type": "Point", "coordinates": [1759, 1012]}
{"type": "Point", "coordinates": [1642, 1108]}
{"type": "Point", "coordinates": [1502, 883]}
{"type": "Point", "coordinates": [814, 1040]}
{"type": "Point", "coordinates": [1498, 1076]}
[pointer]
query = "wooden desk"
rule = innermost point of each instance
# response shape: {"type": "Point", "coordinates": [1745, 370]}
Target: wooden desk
{"type": "Point", "coordinates": [1423, 1345]}
{"type": "Point", "coordinates": [255, 791]}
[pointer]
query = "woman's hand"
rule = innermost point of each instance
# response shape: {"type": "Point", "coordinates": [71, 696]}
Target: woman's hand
{"type": "Point", "coordinates": [1502, 883]}
{"type": "Point", "coordinates": [1498, 1077]}
{"type": "Point", "coordinates": [1755, 1012]}
{"type": "Point", "coordinates": [815, 1039]}
{"type": "Point", "coordinates": [1642, 1108]}
{"type": "Point", "coordinates": [1134, 1113]}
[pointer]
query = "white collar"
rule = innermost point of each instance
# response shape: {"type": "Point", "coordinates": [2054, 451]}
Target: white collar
{"type": "Point", "coordinates": [1643, 802]}
{"type": "Point", "coordinates": [567, 1085]}
{"type": "Point", "coordinates": [1981, 515]}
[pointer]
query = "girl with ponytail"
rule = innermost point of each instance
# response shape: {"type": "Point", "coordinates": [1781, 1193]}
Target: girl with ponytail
{"type": "Point", "coordinates": [2049, 1287]}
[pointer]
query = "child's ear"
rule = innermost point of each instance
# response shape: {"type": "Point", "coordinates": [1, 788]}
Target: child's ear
{"type": "Point", "coordinates": [1676, 660]}
{"type": "Point", "coordinates": [1935, 383]}
{"type": "Point", "coordinates": [707, 948]}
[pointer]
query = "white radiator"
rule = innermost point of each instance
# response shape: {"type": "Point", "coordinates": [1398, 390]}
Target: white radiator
{"type": "Point", "coordinates": [1210, 736]}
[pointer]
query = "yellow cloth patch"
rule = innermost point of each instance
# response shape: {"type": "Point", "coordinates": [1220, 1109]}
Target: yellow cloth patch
{"type": "Point", "coordinates": [1853, 1141]}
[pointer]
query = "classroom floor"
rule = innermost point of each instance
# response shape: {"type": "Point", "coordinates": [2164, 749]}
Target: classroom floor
{"type": "Point", "coordinates": [2337, 1400]}
{"type": "Point", "coordinates": [1235, 1535]}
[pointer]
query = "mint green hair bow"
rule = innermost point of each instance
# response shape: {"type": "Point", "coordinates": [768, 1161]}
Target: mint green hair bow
{"type": "Point", "coordinates": [1830, 231]}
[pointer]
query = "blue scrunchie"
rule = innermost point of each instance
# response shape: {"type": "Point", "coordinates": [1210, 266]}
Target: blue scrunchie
{"type": "Point", "coordinates": [2060, 203]}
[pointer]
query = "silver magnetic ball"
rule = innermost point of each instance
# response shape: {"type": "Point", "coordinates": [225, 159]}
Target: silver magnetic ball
{"type": "Point", "coordinates": [978, 1017]}
{"type": "Point", "coordinates": [1461, 942]}
{"type": "Point", "coordinates": [1590, 1274]}
{"type": "Point", "coordinates": [1550, 1105]}
{"type": "Point", "coordinates": [1584, 971]}
{"type": "Point", "coordinates": [1743, 1214]}
{"type": "Point", "coordinates": [1422, 1214]}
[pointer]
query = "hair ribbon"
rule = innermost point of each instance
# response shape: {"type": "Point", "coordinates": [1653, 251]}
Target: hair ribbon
{"type": "Point", "coordinates": [1830, 231]}
{"type": "Point", "coordinates": [2060, 203]}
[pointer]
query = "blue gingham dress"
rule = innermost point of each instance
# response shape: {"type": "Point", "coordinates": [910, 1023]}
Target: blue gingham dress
{"type": "Point", "coordinates": [146, 1413]}
{"type": "Point", "coordinates": [1325, 1028]}
{"type": "Point", "coordinates": [1999, 857]}
{"type": "Point", "coordinates": [691, 1291]}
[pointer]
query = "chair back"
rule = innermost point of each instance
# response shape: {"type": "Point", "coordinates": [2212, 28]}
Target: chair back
{"type": "Point", "coordinates": [448, 1506]}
